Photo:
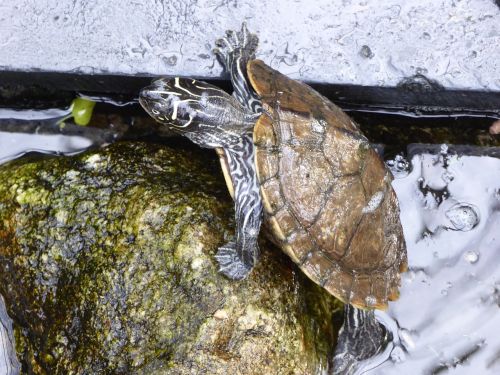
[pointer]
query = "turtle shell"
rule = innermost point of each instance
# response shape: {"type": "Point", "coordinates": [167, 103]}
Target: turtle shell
{"type": "Point", "coordinates": [327, 194]}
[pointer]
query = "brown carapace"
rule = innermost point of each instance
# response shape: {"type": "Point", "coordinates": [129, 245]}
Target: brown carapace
{"type": "Point", "coordinates": [327, 194]}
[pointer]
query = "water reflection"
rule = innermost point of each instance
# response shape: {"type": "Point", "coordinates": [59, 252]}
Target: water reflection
{"type": "Point", "coordinates": [9, 364]}
{"type": "Point", "coordinates": [447, 318]}
{"type": "Point", "coordinates": [14, 145]}
{"type": "Point", "coordinates": [43, 131]}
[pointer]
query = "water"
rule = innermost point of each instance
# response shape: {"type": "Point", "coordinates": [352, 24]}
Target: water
{"type": "Point", "coordinates": [44, 131]}
{"type": "Point", "coordinates": [447, 319]}
{"type": "Point", "coordinates": [9, 364]}
{"type": "Point", "coordinates": [14, 145]}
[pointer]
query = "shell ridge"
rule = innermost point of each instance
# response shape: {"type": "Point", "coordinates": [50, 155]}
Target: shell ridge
{"type": "Point", "coordinates": [348, 247]}
{"type": "Point", "coordinates": [320, 212]}
{"type": "Point", "coordinates": [277, 120]}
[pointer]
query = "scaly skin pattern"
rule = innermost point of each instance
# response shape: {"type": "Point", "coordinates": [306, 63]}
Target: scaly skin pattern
{"type": "Point", "coordinates": [236, 259]}
{"type": "Point", "coordinates": [361, 337]}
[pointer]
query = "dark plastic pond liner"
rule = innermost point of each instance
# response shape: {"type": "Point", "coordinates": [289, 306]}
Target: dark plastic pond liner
{"type": "Point", "coordinates": [415, 97]}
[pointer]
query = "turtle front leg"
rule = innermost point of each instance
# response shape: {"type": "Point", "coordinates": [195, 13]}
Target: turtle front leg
{"type": "Point", "coordinates": [234, 52]}
{"type": "Point", "coordinates": [237, 258]}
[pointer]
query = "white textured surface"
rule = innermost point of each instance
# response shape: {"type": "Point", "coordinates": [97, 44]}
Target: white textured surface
{"type": "Point", "coordinates": [456, 42]}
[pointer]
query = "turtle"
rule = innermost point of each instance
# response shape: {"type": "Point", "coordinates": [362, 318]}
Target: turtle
{"type": "Point", "coordinates": [294, 159]}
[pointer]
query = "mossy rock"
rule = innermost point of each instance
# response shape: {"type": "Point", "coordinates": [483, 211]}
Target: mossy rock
{"type": "Point", "coordinates": [107, 266]}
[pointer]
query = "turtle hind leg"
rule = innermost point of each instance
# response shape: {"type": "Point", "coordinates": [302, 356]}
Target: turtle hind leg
{"type": "Point", "coordinates": [233, 52]}
{"type": "Point", "coordinates": [361, 337]}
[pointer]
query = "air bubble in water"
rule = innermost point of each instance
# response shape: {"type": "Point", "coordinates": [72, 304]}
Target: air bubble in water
{"type": "Point", "coordinates": [408, 276]}
{"type": "Point", "coordinates": [471, 257]}
{"type": "Point", "coordinates": [399, 167]}
{"type": "Point", "coordinates": [398, 354]}
{"type": "Point", "coordinates": [447, 177]}
{"type": "Point", "coordinates": [463, 216]}
{"type": "Point", "coordinates": [406, 338]}
{"type": "Point", "coordinates": [444, 291]}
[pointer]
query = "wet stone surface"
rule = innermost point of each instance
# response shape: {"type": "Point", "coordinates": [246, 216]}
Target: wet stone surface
{"type": "Point", "coordinates": [106, 266]}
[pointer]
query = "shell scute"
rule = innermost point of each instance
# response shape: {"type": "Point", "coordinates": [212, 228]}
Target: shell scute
{"type": "Point", "coordinates": [339, 217]}
{"type": "Point", "coordinates": [267, 163]}
{"type": "Point", "coordinates": [287, 222]}
{"type": "Point", "coordinates": [344, 152]}
{"type": "Point", "coordinates": [264, 136]}
{"type": "Point", "coordinates": [297, 130]}
{"type": "Point", "coordinates": [370, 257]}
{"type": "Point", "coordinates": [301, 243]}
{"type": "Point", "coordinates": [272, 197]}
{"type": "Point", "coordinates": [379, 287]}
{"type": "Point", "coordinates": [305, 178]}
{"type": "Point", "coordinates": [318, 265]}
{"type": "Point", "coordinates": [362, 282]}
{"type": "Point", "coordinates": [339, 284]}
{"type": "Point", "coordinates": [373, 174]}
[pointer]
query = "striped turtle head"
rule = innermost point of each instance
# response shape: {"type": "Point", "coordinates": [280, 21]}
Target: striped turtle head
{"type": "Point", "coordinates": [184, 104]}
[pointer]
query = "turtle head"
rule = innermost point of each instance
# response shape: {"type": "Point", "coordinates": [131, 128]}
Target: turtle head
{"type": "Point", "coordinates": [184, 104]}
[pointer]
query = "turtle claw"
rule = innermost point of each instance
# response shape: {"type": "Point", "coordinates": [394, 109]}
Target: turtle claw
{"type": "Point", "coordinates": [244, 32]}
{"type": "Point", "coordinates": [223, 43]}
{"type": "Point", "coordinates": [232, 36]}
{"type": "Point", "coordinates": [236, 45]}
{"type": "Point", "coordinates": [230, 263]}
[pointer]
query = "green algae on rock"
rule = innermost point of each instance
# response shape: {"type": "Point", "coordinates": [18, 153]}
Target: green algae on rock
{"type": "Point", "coordinates": [106, 266]}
